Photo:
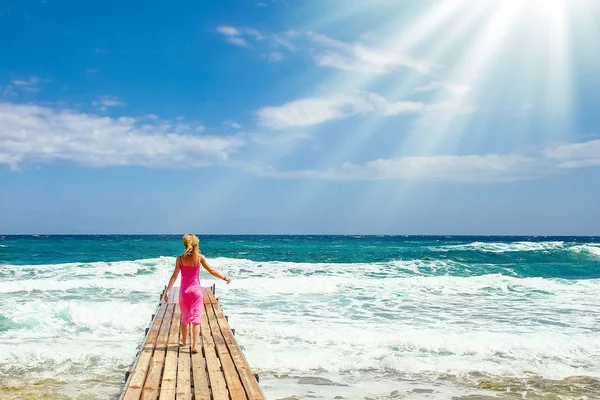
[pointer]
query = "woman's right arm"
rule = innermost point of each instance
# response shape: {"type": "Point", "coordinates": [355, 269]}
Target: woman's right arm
{"type": "Point", "coordinates": [172, 280]}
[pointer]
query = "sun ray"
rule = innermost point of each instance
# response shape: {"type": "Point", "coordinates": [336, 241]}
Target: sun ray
{"type": "Point", "coordinates": [405, 87]}
{"type": "Point", "coordinates": [471, 70]}
{"type": "Point", "coordinates": [399, 41]}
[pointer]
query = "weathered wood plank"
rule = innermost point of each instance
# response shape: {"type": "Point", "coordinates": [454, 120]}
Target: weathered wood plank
{"type": "Point", "coordinates": [218, 372]}
{"type": "Point", "coordinates": [205, 295]}
{"type": "Point", "coordinates": [209, 297]}
{"type": "Point", "coordinates": [236, 391]}
{"type": "Point", "coordinates": [199, 374]}
{"type": "Point", "coordinates": [215, 376]}
{"type": "Point", "coordinates": [138, 377]}
{"type": "Point", "coordinates": [253, 391]}
{"type": "Point", "coordinates": [150, 390]}
{"type": "Point", "coordinates": [174, 295]}
{"type": "Point", "coordinates": [184, 386]}
{"type": "Point", "coordinates": [169, 377]}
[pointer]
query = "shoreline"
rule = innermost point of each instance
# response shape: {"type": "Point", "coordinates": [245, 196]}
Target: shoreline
{"type": "Point", "coordinates": [335, 386]}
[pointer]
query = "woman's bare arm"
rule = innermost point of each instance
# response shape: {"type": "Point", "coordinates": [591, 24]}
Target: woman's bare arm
{"type": "Point", "coordinates": [172, 280]}
{"type": "Point", "coordinates": [212, 271]}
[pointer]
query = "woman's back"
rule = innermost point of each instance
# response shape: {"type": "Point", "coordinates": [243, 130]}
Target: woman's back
{"type": "Point", "coordinates": [190, 293]}
{"type": "Point", "coordinates": [190, 273]}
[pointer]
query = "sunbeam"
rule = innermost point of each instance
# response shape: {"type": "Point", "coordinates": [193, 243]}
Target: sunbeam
{"type": "Point", "coordinates": [508, 57]}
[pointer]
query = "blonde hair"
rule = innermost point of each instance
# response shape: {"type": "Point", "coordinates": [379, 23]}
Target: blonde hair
{"type": "Point", "coordinates": [191, 241]}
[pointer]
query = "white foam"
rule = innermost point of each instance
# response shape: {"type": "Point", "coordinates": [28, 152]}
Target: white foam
{"type": "Point", "coordinates": [591, 249]}
{"type": "Point", "coordinates": [500, 247]}
{"type": "Point", "coordinates": [84, 318]}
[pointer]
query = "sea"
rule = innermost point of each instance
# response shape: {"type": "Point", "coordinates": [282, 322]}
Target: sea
{"type": "Point", "coordinates": [318, 317]}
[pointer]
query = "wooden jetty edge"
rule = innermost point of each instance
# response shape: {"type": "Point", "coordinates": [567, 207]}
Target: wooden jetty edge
{"type": "Point", "coordinates": [165, 370]}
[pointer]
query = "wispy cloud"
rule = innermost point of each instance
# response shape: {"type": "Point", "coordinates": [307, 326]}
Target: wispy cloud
{"type": "Point", "coordinates": [232, 35]}
{"type": "Point", "coordinates": [455, 168]}
{"type": "Point", "coordinates": [453, 88]}
{"type": "Point", "coordinates": [35, 134]}
{"type": "Point", "coordinates": [232, 124]}
{"type": "Point", "coordinates": [359, 57]}
{"type": "Point", "coordinates": [469, 168]}
{"type": "Point", "coordinates": [236, 36]}
{"type": "Point", "coordinates": [324, 50]}
{"type": "Point", "coordinates": [576, 155]}
{"type": "Point", "coordinates": [103, 103]}
{"type": "Point", "coordinates": [317, 110]}
{"type": "Point", "coordinates": [29, 85]}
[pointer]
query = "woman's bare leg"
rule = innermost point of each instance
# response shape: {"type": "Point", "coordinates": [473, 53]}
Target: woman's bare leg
{"type": "Point", "coordinates": [184, 334]}
{"type": "Point", "coordinates": [195, 337]}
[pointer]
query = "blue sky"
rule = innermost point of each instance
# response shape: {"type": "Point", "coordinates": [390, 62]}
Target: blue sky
{"type": "Point", "coordinates": [279, 116]}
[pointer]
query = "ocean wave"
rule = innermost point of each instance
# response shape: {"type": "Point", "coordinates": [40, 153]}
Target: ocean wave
{"type": "Point", "coordinates": [588, 249]}
{"type": "Point", "coordinates": [85, 318]}
{"type": "Point", "coordinates": [411, 350]}
{"type": "Point", "coordinates": [62, 275]}
{"type": "Point", "coordinates": [500, 247]}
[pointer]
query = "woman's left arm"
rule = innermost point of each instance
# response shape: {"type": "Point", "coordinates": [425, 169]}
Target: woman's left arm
{"type": "Point", "coordinates": [172, 280]}
{"type": "Point", "coordinates": [212, 271]}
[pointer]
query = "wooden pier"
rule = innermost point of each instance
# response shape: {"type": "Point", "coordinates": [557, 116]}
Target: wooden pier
{"type": "Point", "coordinates": [165, 370]}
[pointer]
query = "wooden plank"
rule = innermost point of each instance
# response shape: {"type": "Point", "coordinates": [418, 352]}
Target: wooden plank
{"type": "Point", "coordinates": [134, 388]}
{"type": "Point", "coordinates": [236, 390]}
{"type": "Point", "coordinates": [184, 386]}
{"type": "Point", "coordinates": [219, 371]}
{"type": "Point", "coordinates": [150, 390]}
{"type": "Point", "coordinates": [174, 295]}
{"type": "Point", "coordinates": [199, 374]}
{"type": "Point", "coordinates": [209, 297]}
{"type": "Point", "coordinates": [251, 386]}
{"type": "Point", "coordinates": [217, 383]}
{"type": "Point", "coordinates": [169, 378]}
{"type": "Point", "coordinates": [205, 295]}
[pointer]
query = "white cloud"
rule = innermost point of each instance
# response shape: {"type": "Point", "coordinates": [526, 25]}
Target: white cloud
{"type": "Point", "coordinates": [316, 110]}
{"type": "Point", "coordinates": [228, 31]}
{"type": "Point", "coordinates": [105, 102]}
{"type": "Point", "coordinates": [28, 84]}
{"type": "Point", "coordinates": [232, 124]}
{"type": "Point", "coordinates": [358, 57]}
{"type": "Point", "coordinates": [35, 134]}
{"type": "Point", "coordinates": [469, 168]}
{"type": "Point", "coordinates": [235, 36]}
{"type": "Point", "coordinates": [31, 85]}
{"type": "Point", "coordinates": [455, 168]}
{"type": "Point", "coordinates": [576, 155]}
{"type": "Point", "coordinates": [238, 41]}
{"type": "Point", "coordinates": [402, 107]}
{"type": "Point", "coordinates": [232, 35]}
{"type": "Point", "coordinates": [453, 88]}
{"type": "Point", "coordinates": [326, 51]}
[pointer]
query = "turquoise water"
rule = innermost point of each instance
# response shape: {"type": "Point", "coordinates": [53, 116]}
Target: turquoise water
{"type": "Point", "coordinates": [317, 315]}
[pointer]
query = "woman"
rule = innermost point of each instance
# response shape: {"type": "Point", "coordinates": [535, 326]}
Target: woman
{"type": "Point", "coordinates": [190, 292]}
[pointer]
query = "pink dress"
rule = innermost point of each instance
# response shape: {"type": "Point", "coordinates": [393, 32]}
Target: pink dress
{"type": "Point", "coordinates": [190, 294]}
